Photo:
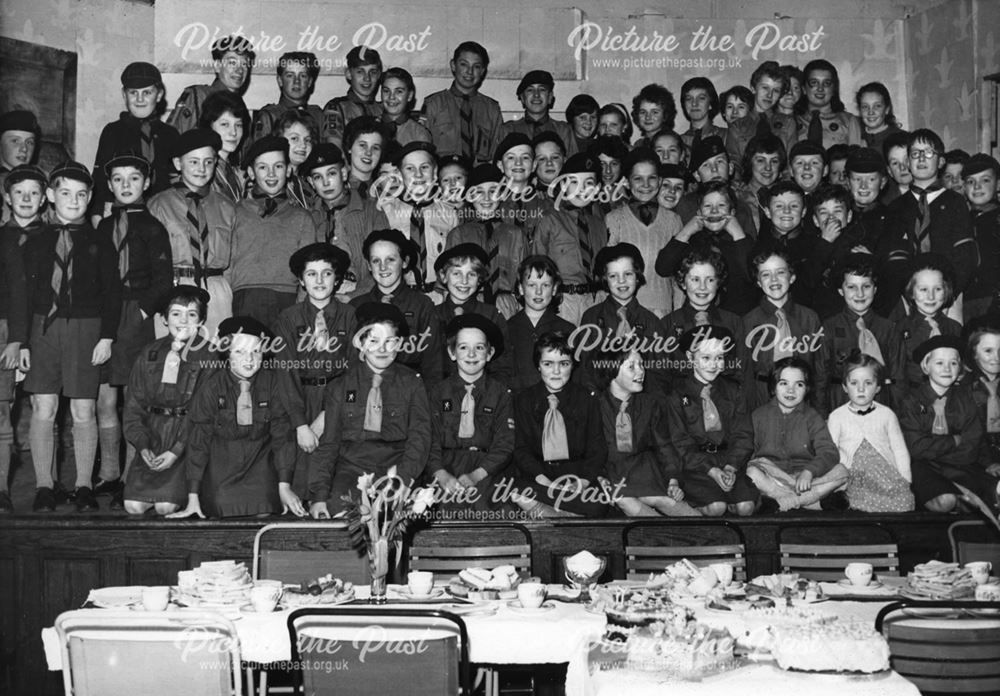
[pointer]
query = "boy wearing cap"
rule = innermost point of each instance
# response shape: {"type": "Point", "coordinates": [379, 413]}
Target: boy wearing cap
{"type": "Point", "coordinates": [268, 226]}
{"type": "Point", "coordinates": [19, 136]}
{"type": "Point", "coordinates": [75, 297]}
{"type": "Point", "coordinates": [399, 95]}
{"type": "Point", "coordinates": [363, 74]}
{"type": "Point", "coordinates": [808, 165]}
{"type": "Point", "coordinates": [520, 203]}
{"type": "Point", "coordinates": [160, 388]}
{"type": "Point", "coordinates": [505, 244]}
{"type": "Point", "coordinates": [423, 218]}
{"type": "Point", "coordinates": [316, 335]}
{"type": "Point", "coordinates": [296, 77]}
{"type": "Point", "coordinates": [711, 428]}
{"type": "Point", "coordinates": [943, 431]}
{"type": "Point", "coordinates": [233, 57]}
{"type": "Point", "coordinates": [472, 427]}
{"type": "Point", "coordinates": [535, 92]}
{"type": "Point", "coordinates": [376, 415]}
{"type": "Point", "coordinates": [389, 255]}
{"type": "Point", "coordinates": [981, 173]}
{"type": "Point", "coordinates": [342, 217]}
{"type": "Point", "coordinates": [138, 130]}
{"type": "Point", "coordinates": [144, 265]}
{"type": "Point", "coordinates": [647, 225]}
{"type": "Point", "coordinates": [240, 456]}
{"type": "Point", "coordinates": [200, 222]}
{"type": "Point", "coordinates": [573, 233]}
{"type": "Point", "coordinates": [461, 270]}
{"type": "Point", "coordinates": [461, 119]}
{"type": "Point", "coordinates": [930, 218]}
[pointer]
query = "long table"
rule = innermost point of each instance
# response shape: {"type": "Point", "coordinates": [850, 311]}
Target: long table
{"type": "Point", "coordinates": [564, 634]}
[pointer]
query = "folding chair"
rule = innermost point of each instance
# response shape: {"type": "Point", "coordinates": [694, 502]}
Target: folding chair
{"type": "Point", "coordinates": [974, 540]}
{"type": "Point", "coordinates": [358, 651]}
{"type": "Point", "coordinates": [150, 653]}
{"type": "Point", "coordinates": [297, 551]}
{"type": "Point", "coordinates": [815, 551]}
{"type": "Point", "coordinates": [447, 550]}
{"type": "Point", "coordinates": [652, 546]}
{"type": "Point", "coordinates": [956, 652]}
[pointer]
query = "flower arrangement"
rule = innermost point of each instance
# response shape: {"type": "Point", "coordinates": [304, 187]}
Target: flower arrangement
{"type": "Point", "coordinates": [384, 510]}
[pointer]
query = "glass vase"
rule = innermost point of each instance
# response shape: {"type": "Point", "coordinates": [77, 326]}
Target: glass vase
{"type": "Point", "coordinates": [378, 561]}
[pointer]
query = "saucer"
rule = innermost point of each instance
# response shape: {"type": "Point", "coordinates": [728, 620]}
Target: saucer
{"type": "Point", "coordinates": [871, 586]}
{"type": "Point", "coordinates": [515, 605]}
{"type": "Point", "coordinates": [436, 592]}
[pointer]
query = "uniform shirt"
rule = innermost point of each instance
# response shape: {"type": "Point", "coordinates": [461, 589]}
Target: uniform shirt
{"type": "Point", "coordinates": [645, 334]}
{"type": "Point", "coordinates": [491, 445]}
{"type": "Point", "coordinates": [651, 443]}
{"type": "Point", "coordinates": [146, 390]}
{"type": "Point", "coordinates": [559, 235]}
{"type": "Point", "coordinates": [686, 418]}
{"type": "Point", "coordinates": [823, 262]}
{"type": "Point", "coordinates": [839, 128]}
{"type": "Point", "coordinates": [760, 327]}
{"type": "Point", "coordinates": [623, 226]}
{"type": "Point", "coordinates": [340, 111]}
{"type": "Point", "coordinates": [95, 289]}
{"type": "Point", "coordinates": [914, 330]}
{"type": "Point", "coordinates": [505, 246]}
{"type": "Point", "coordinates": [265, 118]}
{"type": "Point", "coordinates": [442, 113]}
{"type": "Point", "coordinates": [439, 220]}
{"type": "Point", "coordinates": [187, 112]}
{"type": "Point", "coordinates": [687, 208]}
{"type": "Point", "coordinates": [405, 438]}
{"type": "Point", "coordinates": [799, 244]}
{"type": "Point", "coordinates": [707, 131]}
{"type": "Point", "coordinates": [150, 269]}
{"type": "Point", "coordinates": [916, 418]}
{"type": "Point", "coordinates": [171, 207]}
{"type": "Point", "coordinates": [423, 356]}
{"type": "Point", "coordinates": [534, 127]}
{"type": "Point", "coordinates": [499, 368]}
{"type": "Point", "coordinates": [740, 291]}
{"type": "Point", "coordinates": [406, 129]}
{"type": "Point", "coordinates": [346, 226]}
{"type": "Point", "coordinates": [13, 285]}
{"type": "Point", "coordinates": [525, 211]}
{"type": "Point", "coordinates": [228, 181]}
{"type": "Point", "coordinates": [840, 337]}
{"type": "Point", "coordinates": [986, 229]}
{"type": "Point", "coordinates": [743, 129]}
{"type": "Point", "coordinates": [260, 244]}
{"type": "Point", "coordinates": [682, 320]}
{"type": "Point", "coordinates": [523, 336]}
{"type": "Point", "coordinates": [125, 135]}
{"type": "Point", "coordinates": [795, 441]}
{"type": "Point", "coordinates": [584, 434]}
{"type": "Point", "coordinates": [302, 358]}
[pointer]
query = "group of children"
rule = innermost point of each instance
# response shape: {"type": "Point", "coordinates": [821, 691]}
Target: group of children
{"type": "Point", "coordinates": [794, 310]}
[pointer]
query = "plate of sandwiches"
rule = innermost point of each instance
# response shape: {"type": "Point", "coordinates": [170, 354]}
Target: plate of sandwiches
{"type": "Point", "coordinates": [483, 584]}
{"type": "Point", "coordinates": [326, 590]}
{"type": "Point", "coordinates": [938, 580]}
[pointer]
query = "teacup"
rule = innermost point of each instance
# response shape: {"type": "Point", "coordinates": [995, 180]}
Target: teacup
{"type": "Point", "coordinates": [531, 594]}
{"type": "Point", "coordinates": [264, 597]}
{"type": "Point", "coordinates": [988, 592]}
{"type": "Point", "coordinates": [724, 572]}
{"type": "Point", "coordinates": [420, 582]}
{"type": "Point", "coordinates": [703, 583]}
{"type": "Point", "coordinates": [980, 571]}
{"type": "Point", "coordinates": [860, 574]}
{"type": "Point", "coordinates": [155, 598]}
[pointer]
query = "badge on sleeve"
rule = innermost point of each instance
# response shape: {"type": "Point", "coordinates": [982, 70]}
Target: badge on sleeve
{"type": "Point", "coordinates": [923, 408]}
{"type": "Point", "coordinates": [261, 404]}
{"type": "Point", "coordinates": [352, 396]}
{"type": "Point", "coordinates": [153, 355]}
{"type": "Point", "coordinates": [222, 402]}
{"type": "Point", "coordinates": [685, 401]}
{"type": "Point", "coordinates": [487, 409]}
{"type": "Point", "coordinates": [446, 405]}
{"type": "Point", "coordinates": [510, 423]}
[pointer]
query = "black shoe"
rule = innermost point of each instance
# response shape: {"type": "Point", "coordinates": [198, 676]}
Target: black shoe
{"type": "Point", "coordinates": [6, 506]}
{"type": "Point", "coordinates": [107, 487]}
{"type": "Point", "coordinates": [85, 500]}
{"type": "Point", "coordinates": [835, 502]}
{"type": "Point", "coordinates": [768, 506]}
{"type": "Point", "coordinates": [118, 499]}
{"type": "Point", "coordinates": [62, 495]}
{"type": "Point", "coordinates": [45, 500]}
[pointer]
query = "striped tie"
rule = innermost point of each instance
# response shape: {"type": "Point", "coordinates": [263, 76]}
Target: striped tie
{"type": "Point", "coordinates": [62, 272]}
{"type": "Point", "coordinates": [121, 244]}
{"type": "Point", "coordinates": [197, 236]}
{"type": "Point", "coordinates": [417, 235]}
{"type": "Point", "coordinates": [492, 266]}
{"type": "Point", "coordinates": [468, 139]}
{"type": "Point", "coordinates": [586, 251]}
{"type": "Point", "coordinates": [146, 142]}
{"type": "Point", "coordinates": [923, 222]}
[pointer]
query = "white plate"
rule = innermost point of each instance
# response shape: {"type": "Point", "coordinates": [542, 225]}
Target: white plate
{"type": "Point", "coordinates": [116, 597]}
{"type": "Point", "coordinates": [860, 589]}
{"type": "Point", "coordinates": [515, 605]}
{"type": "Point", "coordinates": [404, 591]}
{"type": "Point", "coordinates": [249, 610]}
{"type": "Point", "coordinates": [309, 600]}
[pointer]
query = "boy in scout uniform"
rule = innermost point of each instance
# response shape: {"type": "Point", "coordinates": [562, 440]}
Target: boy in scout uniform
{"type": "Point", "coordinates": [363, 75]}
{"type": "Point", "coordinates": [376, 415]}
{"type": "Point", "coordinates": [233, 57]}
{"type": "Point", "coordinates": [296, 76]}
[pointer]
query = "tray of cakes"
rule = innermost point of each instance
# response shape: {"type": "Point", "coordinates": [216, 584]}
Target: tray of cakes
{"type": "Point", "coordinates": [214, 584]}
{"type": "Point", "coordinates": [484, 584]}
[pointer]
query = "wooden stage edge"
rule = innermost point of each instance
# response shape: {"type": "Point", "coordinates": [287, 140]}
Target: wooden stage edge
{"type": "Point", "coordinates": [48, 564]}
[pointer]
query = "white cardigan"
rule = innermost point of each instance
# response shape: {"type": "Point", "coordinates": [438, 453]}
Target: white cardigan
{"type": "Point", "coordinates": [880, 428]}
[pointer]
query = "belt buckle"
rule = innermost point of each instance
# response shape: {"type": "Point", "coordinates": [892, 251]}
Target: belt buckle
{"type": "Point", "coordinates": [711, 448]}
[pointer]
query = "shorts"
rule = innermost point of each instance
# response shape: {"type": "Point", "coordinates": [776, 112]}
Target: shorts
{"type": "Point", "coordinates": [60, 358]}
{"type": "Point", "coordinates": [134, 332]}
{"type": "Point", "coordinates": [6, 376]}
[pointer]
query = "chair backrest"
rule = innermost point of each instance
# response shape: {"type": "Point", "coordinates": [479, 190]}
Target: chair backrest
{"type": "Point", "coordinates": [377, 651]}
{"type": "Point", "coordinates": [151, 653]}
{"type": "Point", "coordinates": [974, 540]}
{"type": "Point", "coordinates": [300, 551]}
{"type": "Point", "coordinates": [652, 546]}
{"type": "Point", "coordinates": [447, 550]}
{"type": "Point", "coordinates": [827, 560]}
{"type": "Point", "coordinates": [944, 653]}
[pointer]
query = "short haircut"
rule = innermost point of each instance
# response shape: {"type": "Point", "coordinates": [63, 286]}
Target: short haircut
{"type": "Point", "coordinates": [760, 259]}
{"type": "Point", "coordinates": [472, 47]}
{"type": "Point", "coordinates": [363, 125]}
{"type": "Point", "coordinates": [456, 261]}
{"type": "Point", "coordinates": [840, 151]}
{"type": "Point", "coordinates": [640, 272]}
{"type": "Point", "coordinates": [233, 44]}
{"type": "Point", "coordinates": [292, 117]}
{"type": "Point", "coordinates": [927, 137]}
{"type": "Point", "coordinates": [638, 156]}
{"type": "Point", "coordinates": [668, 133]}
{"type": "Point", "coordinates": [541, 265]}
{"type": "Point", "coordinates": [621, 112]}
{"type": "Point", "coordinates": [830, 192]}
{"type": "Point", "coordinates": [709, 187]}
{"type": "Point", "coordinates": [862, 265]}
{"type": "Point", "coordinates": [705, 84]}
{"type": "Point", "coordinates": [609, 146]}
{"type": "Point", "coordinates": [581, 104]}
{"type": "Point", "coordinates": [881, 90]}
{"type": "Point", "coordinates": [302, 58]}
{"type": "Point", "coordinates": [856, 359]}
{"type": "Point", "coordinates": [703, 255]}
{"type": "Point", "coordinates": [763, 144]}
{"type": "Point", "coordinates": [324, 253]}
{"type": "Point", "coordinates": [362, 55]}
{"type": "Point", "coordinates": [785, 186]}
{"type": "Point", "coordinates": [185, 295]}
{"type": "Point", "coordinates": [551, 340]}
{"type": "Point", "coordinates": [820, 64]}
{"type": "Point", "coordinates": [659, 95]}
{"type": "Point", "coordinates": [737, 92]}
{"type": "Point", "coordinates": [770, 69]}
{"type": "Point", "coordinates": [956, 157]}
{"type": "Point", "coordinates": [894, 140]}
{"type": "Point", "coordinates": [795, 363]}
{"type": "Point", "coordinates": [406, 78]}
